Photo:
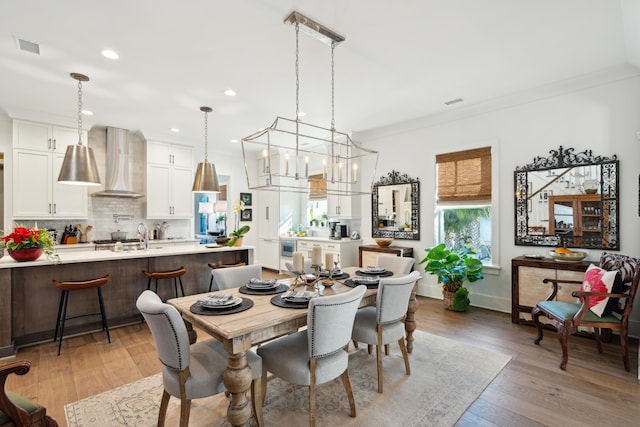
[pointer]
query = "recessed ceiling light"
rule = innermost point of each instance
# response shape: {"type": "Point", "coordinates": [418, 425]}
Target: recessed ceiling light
{"type": "Point", "coordinates": [87, 112]}
{"type": "Point", "coordinates": [108, 53]}
{"type": "Point", "coordinates": [235, 141]}
{"type": "Point", "coordinates": [230, 92]}
{"type": "Point", "coordinates": [454, 101]}
{"type": "Point", "coordinates": [174, 130]}
{"type": "Point", "coordinates": [301, 114]}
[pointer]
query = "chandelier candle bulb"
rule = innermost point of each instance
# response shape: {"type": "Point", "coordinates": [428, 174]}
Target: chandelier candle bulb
{"type": "Point", "coordinates": [340, 171]}
{"type": "Point", "coordinates": [316, 255]}
{"type": "Point", "coordinates": [306, 166]}
{"type": "Point", "coordinates": [286, 164]}
{"type": "Point", "coordinates": [355, 172]}
{"type": "Point", "coordinates": [324, 168]}
{"type": "Point", "coordinates": [298, 262]}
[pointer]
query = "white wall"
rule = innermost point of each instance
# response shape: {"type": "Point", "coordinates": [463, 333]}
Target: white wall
{"type": "Point", "coordinates": [601, 116]}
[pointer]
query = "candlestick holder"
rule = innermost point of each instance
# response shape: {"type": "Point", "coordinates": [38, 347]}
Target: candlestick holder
{"type": "Point", "coordinates": [300, 280]}
{"type": "Point", "coordinates": [316, 268]}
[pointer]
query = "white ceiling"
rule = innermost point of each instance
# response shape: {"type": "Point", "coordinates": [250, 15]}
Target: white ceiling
{"type": "Point", "coordinates": [401, 60]}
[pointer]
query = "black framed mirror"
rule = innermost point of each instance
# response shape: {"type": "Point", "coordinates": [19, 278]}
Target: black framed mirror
{"type": "Point", "coordinates": [568, 199]}
{"type": "Point", "coordinates": [395, 205]}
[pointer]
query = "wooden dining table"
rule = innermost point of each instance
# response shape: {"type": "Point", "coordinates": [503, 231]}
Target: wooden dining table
{"type": "Point", "coordinates": [238, 332]}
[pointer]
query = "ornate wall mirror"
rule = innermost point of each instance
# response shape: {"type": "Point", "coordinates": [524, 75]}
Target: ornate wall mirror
{"type": "Point", "coordinates": [568, 199]}
{"type": "Point", "coordinates": [395, 202]}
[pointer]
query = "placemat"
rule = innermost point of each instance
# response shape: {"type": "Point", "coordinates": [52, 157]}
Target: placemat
{"type": "Point", "coordinates": [246, 304]}
{"type": "Point", "coordinates": [341, 276]}
{"type": "Point", "coordinates": [277, 290]}
{"type": "Point", "coordinates": [366, 273]}
{"type": "Point", "coordinates": [350, 283]}
{"type": "Point", "coordinates": [278, 301]}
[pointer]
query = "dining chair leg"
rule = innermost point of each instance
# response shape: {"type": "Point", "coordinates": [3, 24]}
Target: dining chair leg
{"type": "Point", "coordinates": [263, 385]}
{"type": "Point", "coordinates": [563, 336]}
{"type": "Point", "coordinates": [355, 343]}
{"type": "Point", "coordinates": [379, 358]}
{"type": "Point", "coordinates": [405, 356]}
{"type": "Point", "coordinates": [256, 401]}
{"type": "Point", "coordinates": [164, 404]}
{"type": "Point", "coordinates": [624, 344]}
{"type": "Point", "coordinates": [185, 410]}
{"type": "Point", "coordinates": [369, 348]}
{"type": "Point", "coordinates": [386, 349]}
{"type": "Point", "coordinates": [347, 387]}
{"type": "Point", "coordinates": [596, 334]}
{"type": "Point", "coordinates": [312, 392]}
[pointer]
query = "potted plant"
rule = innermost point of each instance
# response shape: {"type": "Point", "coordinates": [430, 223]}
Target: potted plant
{"type": "Point", "coordinates": [453, 267]}
{"type": "Point", "coordinates": [28, 244]}
{"type": "Point", "coordinates": [239, 232]}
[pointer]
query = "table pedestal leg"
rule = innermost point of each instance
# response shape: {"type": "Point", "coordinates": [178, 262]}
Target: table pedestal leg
{"type": "Point", "coordinates": [237, 380]}
{"type": "Point", "coordinates": [410, 320]}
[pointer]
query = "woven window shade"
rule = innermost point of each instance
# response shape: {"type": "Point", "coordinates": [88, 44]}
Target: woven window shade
{"type": "Point", "coordinates": [464, 175]}
{"type": "Point", "coordinates": [317, 187]}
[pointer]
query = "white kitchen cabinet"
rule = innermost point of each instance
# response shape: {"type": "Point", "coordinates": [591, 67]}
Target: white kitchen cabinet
{"type": "Point", "coordinates": [37, 157]}
{"type": "Point", "coordinates": [169, 180]}
{"type": "Point", "coordinates": [344, 251]}
{"type": "Point", "coordinates": [267, 213]}
{"type": "Point", "coordinates": [341, 206]}
{"type": "Point", "coordinates": [268, 253]}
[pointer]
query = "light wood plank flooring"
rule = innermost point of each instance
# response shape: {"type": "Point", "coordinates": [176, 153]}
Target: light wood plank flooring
{"type": "Point", "coordinates": [531, 391]}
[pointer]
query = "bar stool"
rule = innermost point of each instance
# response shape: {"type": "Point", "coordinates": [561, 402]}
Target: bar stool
{"type": "Point", "coordinates": [64, 302]}
{"type": "Point", "coordinates": [215, 266]}
{"type": "Point", "coordinates": [171, 274]}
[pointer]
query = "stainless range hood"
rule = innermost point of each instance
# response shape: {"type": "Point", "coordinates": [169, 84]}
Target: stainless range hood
{"type": "Point", "coordinates": [117, 165]}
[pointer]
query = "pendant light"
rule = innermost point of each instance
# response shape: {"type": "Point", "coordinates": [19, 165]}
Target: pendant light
{"type": "Point", "coordinates": [206, 180]}
{"type": "Point", "coordinates": [79, 165]}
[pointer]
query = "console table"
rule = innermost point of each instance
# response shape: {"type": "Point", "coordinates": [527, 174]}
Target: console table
{"type": "Point", "coordinates": [527, 288]}
{"type": "Point", "coordinates": [368, 254]}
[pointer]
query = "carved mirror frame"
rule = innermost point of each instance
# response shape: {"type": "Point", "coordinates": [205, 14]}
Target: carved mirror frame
{"type": "Point", "coordinates": [608, 190]}
{"type": "Point", "coordinates": [396, 178]}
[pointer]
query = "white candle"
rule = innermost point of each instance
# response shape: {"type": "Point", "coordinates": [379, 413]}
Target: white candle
{"type": "Point", "coordinates": [316, 255]}
{"type": "Point", "coordinates": [298, 262]}
{"type": "Point", "coordinates": [328, 260]}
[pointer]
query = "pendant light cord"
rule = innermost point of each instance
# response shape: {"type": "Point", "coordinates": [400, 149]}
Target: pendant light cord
{"type": "Point", "coordinates": [79, 112]}
{"type": "Point", "coordinates": [206, 134]}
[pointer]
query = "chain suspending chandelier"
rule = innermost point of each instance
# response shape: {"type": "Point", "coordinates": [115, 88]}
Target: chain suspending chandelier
{"type": "Point", "coordinates": [294, 156]}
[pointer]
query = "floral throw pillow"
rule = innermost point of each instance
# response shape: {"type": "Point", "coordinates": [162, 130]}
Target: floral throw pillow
{"type": "Point", "coordinates": [598, 280]}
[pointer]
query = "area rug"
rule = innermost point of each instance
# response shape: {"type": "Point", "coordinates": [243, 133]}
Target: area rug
{"type": "Point", "coordinates": [446, 378]}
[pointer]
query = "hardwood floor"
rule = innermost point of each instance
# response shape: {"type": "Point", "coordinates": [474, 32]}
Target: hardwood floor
{"type": "Point", "coordinates": [531, 390]}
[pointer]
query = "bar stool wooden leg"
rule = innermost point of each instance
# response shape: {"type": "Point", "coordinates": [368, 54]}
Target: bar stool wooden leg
{"type": "Point", "coordinates": [65, 297]}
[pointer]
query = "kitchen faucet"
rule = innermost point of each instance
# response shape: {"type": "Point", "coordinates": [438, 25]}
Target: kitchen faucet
{"type": "Point", "coordinates": [143, 232]}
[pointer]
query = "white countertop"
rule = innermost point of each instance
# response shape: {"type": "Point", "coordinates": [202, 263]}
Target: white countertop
{"type": "Point", "coordinates": [70, 257]}
{"type": "Point", "coordinates": [321, 239]}
{"type": "Point", "coordinates": [89, 246]}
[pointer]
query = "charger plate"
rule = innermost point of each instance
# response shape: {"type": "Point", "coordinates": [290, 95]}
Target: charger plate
{"type": "Point", "coordinates": [246, 304]}
{"type": "Point", "coordinates": [267, 291]}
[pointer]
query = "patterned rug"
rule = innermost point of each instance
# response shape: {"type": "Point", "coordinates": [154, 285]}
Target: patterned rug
{"type": "Point", "coordinates": [446, 378]}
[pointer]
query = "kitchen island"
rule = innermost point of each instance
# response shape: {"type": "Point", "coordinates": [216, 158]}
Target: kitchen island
{"type": "Point", "coordinates": [29, 301]}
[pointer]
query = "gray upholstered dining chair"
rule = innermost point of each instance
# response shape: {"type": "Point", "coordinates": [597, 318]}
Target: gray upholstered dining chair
{"type": "Point", "coordinates": [382, 324]}
{"type": "Point", "coordinates": [190, 371]}
{"type": "Point", "coordinates": [234, 277]}
{"type": "Point", "coordinates": [318, 354]}
{"type": "Point", "coordinates": [398, 265]}
{"type": "Point", "coordinates": [307, 267]}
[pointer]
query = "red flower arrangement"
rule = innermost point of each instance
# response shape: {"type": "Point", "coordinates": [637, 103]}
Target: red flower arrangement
{"type": "Point", "coordinates": [30, 238]}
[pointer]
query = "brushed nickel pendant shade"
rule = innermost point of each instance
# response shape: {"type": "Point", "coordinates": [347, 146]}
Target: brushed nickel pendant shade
{"type": "Point", "coordinates": [206, 180]}
{"type": "Point", "coordinates": [79, 165]}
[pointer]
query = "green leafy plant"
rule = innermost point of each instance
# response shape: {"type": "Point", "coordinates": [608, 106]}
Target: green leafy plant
{"type": "Point", "coordinates": [453, 267]}
{"type": "Point", "coordinates": [237, 234]}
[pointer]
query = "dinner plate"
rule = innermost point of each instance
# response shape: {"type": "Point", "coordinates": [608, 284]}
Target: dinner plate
{"type": "Point", "coordinates": [261, 287]}
{"type": "Point", "coordinates": [301, 297]}
{"type": "Point", "coordinates": [219, 301]}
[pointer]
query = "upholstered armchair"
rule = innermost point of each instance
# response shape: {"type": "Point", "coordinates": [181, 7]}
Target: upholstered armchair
{"type": "Point", "coordinates": [382, 324]}
{"type": "Point", "coordinates": [235, 277]}
{"type": "Point", "coordinates": [597, 308]}
{"type": "Point", "coordinates": [16, 410]}
{"type": "Point", "coordinates": [190, 371]}
{"type": "Point", "coordinates": [318, 354]}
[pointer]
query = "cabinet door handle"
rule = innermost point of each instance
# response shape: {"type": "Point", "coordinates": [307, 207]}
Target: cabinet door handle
{"type": "Point", "coordinates": [267, 212]}
{"type": "Point", "coordinates": [54, 144]}
{"type": "Point", "coordinates": [50, 208]}
{"type": "Point", "coordinates": [49, 147]}
{"type": "Point", "coordinates": [55, 210]}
